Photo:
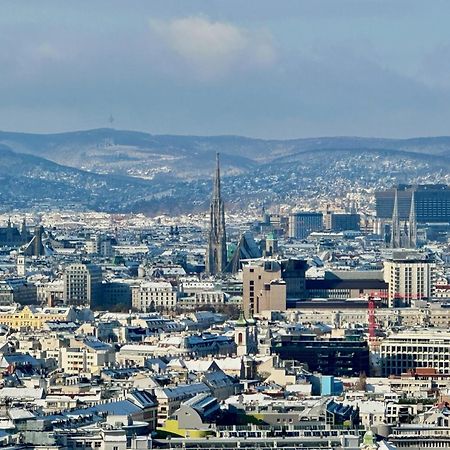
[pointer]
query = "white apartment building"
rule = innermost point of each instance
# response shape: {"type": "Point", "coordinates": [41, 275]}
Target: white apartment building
{"type": "Point", "coordinates": [415, 349]}
{"type": "Point", "coordinates": [411, 276]}
{"type": "Point", "coordinates": [152, 295]}
{"type": "Point", "coordinates": [88, 356]}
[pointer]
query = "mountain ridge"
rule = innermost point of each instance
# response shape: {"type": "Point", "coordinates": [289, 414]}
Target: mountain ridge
{"type": "Point", "coordinates": [115, 170]}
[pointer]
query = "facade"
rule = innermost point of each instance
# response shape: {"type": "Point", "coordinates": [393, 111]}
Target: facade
{"type": "Point", "coordinates": [302, 224]}
{"type": "Point", "coordinates": [409, 350]}
{"type": "Point", "coordinates": [342, 221]}
{"type": "Point", "coordinates": [87, 356]}
{"type": "Point", "coordinates": [203, 298]}
{"type": "Point", "coordinates": [17, 290]}
{"type": "Point", "coordinates": [99, 245]}
{"type": "Point", "coordinates": [11, 236]}
{"type": "Point", "coordinates": [171, 398]}
{"type": "Point", "coordinates": [153, 295]}
{"type": "Point", "coordinates": [263, 287]}
{"type": "Point", "coordinates": [338, 357]}
{"type": "Point", "coordinates": [29, 318]}
{"type": "Point", "coordinates": [404, 234]}
{"type": "Point", "coordinates": [116, 294]}
{"type": "Point", "coordinates": [410, 276]}
{"type": "Point", "coordinates": [347, 284]}
{"type": "Point", "coordinates": [432, 202]}
{"type": "Point", "coordinates": [216, 253]}
{"type": "Point", "coordinates": [83, 284]}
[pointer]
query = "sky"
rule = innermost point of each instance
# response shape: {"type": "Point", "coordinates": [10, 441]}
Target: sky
{"type": "Point", "coordinates": [261, 68]}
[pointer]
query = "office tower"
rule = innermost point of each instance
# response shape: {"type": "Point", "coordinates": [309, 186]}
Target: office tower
{"type": "Point", "coordinates": [263, 287]}
{"type": "Point", "coordinates": [410, 275]}
{"type": "Point", "coordinates": [302, 224]}
{"type": "Point", "coordinates": [395, 226]}
{"type": "Point", "coordinates": [342, 221]}
{"type": "Point", "coordinates": [83, 284]}
{"type": "Point", "coordinates": [216, 254]}
{"type": "Point", "coordinates": [432, 202]}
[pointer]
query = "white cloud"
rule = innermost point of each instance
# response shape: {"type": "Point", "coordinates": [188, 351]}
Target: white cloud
{"type": "Point", "coordinates": [211, 49]}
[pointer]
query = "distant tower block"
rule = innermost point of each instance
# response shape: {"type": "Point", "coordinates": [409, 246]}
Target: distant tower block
{"type": "Point", "coordinates": [21, 266]}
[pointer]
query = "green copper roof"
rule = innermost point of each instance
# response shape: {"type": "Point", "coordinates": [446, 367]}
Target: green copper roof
{"type": "Point", "coordinates": [241, 322]}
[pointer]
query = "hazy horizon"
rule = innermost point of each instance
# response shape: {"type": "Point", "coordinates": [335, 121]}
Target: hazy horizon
{"type": "Point", "coordinates": [295, 69]}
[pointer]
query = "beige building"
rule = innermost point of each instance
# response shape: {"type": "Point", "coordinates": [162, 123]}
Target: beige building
{"type": "Point", "coordinates": [263, 287]}
{"type": "Point", "coordinates": [150, 296]}
{"type": "Point", "coordinates": [170, 398]}
{"type": "Point", "coordinates": [87, 356]}
{"type": "Point", "coordinates": [34, 318]}
{"type": "Point", "coordinates": [411, 276]}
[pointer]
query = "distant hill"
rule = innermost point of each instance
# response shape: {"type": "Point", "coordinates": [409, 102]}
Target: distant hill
{"type": "Point", "coordinates": [116, 170]}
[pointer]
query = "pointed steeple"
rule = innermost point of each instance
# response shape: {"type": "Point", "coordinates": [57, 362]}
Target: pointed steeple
{"type": "Point", "coordinates": [216, 254]}
{"type": "Point", "coordinates": [412, 233]}
{"type": "Point", "coordinates": [216, 193]}
{"type": "Point", "coordinates": [395, 229]}
{"type": "Point", "coordinates": [23, 230]}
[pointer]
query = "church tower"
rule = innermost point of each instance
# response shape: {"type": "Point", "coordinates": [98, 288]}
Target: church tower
{"type": "Point", "coordinates": [216, 254]}
{"type": "Point", "coordinates": [21, 265]}
{"type": "Point", "coordinates": [395, 228]}
{"type": "Point", "coordinates": [245, 336]}
{"type": "Point", "coordinates": [412, 234]}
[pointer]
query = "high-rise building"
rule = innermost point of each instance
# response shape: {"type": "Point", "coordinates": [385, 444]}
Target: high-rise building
{"type": "Point", "coordinates": [263, 287]}
{"type": "Point", "coordinates": [410, 275]}
{"type": "Point", "coordinates": [302, 224]}
{"type": "Point", "coordinates": [83, 284]}
{"type": "Point", "coordinates": [216, 254]}
{"type": "Point", "coordinates": [432, 202]}
{"type": "Point", "coordinates": [342, 221]}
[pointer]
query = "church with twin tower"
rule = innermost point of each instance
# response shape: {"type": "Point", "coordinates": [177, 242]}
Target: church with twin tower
{"type": "Point", "coordinates": [216, 254]}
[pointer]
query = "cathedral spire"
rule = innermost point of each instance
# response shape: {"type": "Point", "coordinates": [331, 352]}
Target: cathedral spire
{"type": "Point", "coordinates": [412, 233]}
{"type": "Point", "coordinates": [216, 193]}
{"type": "Point", "coordinates": [395, 229]}
{"type": "Point", "coordinates": [216, 255]}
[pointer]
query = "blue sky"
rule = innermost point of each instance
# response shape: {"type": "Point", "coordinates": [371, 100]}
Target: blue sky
{"type": "Point", "coordinates": [270, 69]}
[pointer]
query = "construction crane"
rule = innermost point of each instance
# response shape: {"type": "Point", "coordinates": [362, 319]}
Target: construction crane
{"type": "Point", "coordinates": [372, 304]}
